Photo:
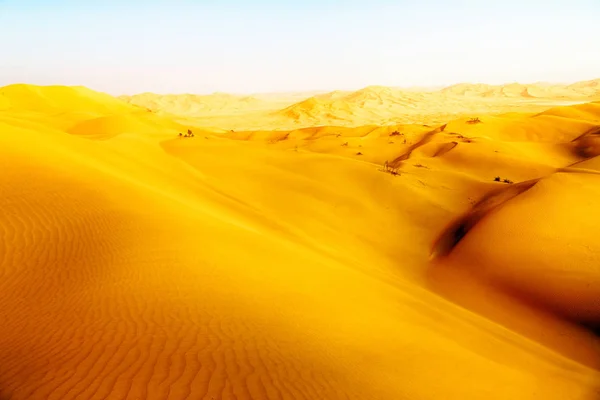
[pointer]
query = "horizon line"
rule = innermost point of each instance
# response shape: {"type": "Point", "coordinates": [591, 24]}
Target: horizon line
{"type": "Point", "coordinates": [292, 91]}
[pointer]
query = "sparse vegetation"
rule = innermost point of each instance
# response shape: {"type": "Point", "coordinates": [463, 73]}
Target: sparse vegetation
{"type": "Point", "coordinates": [505, 180]}
{"type": "Point", "coordinates": [345, 144]}
{"type": "Point", "coordinates": [359, 154]}
{"type": "Point", "coordinates": [421, 166]}
{"type": "Point", "coordinates": [395, 133]}
{"type": "Point", "coordinates": [187, 135]}
{"type": "Point", "coordinates": [475, 120]}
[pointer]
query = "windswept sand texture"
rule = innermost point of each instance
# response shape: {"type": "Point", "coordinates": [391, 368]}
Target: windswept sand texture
{"type": "Point", "coordinates": [284, 262]}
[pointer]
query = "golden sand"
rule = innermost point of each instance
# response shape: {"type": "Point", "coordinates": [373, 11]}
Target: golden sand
{"type": "Point", "coordinates": [272, 256]}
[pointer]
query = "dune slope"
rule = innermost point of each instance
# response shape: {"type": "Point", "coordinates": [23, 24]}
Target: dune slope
{"type": "Point", "coordinates": [147, 266]}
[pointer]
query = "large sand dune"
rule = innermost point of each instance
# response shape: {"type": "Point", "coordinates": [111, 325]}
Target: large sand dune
{"type": "Point", "coordinates": [285, 263]}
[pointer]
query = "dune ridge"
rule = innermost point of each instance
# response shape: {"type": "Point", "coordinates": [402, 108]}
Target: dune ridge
{"type": "Point", "coordinates": [283, 264]}
{"type": "Point", "coordinates": [377, 105]}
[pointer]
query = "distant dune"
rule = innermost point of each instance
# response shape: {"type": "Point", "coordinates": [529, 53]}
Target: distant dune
{"type": "Point", "coordinates": [377, 105]}
{"type": "Point", "coordinates": [345, 245]}
{"type": "Point", "coordinates": [189, 104]}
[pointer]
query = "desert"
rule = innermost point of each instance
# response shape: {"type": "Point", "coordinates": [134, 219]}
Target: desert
{"type": "Point", "coordinates": [365, 260]}
{"type": "Point", "coordinates": [299, 201]}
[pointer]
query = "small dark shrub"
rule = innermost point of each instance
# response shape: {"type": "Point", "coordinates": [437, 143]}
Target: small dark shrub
{"type": "Point", "coordinates": [505, 180]}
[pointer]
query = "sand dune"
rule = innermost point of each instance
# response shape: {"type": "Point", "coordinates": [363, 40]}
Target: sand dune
{"type": "Point", "coordinates": [49, 99]}
{"type": "Point", "coordinates": [584, 89]}
{"type": "Point", "coordinates": [139, 123]}
{"type": "Point", "coordinates": [189, 104]}
{"type": "Point", "coordinates": [216, 104]}
{"type": "Point", "coordinates": [372, 105]}
{"type": "Point", "coordinates": [283, 264]}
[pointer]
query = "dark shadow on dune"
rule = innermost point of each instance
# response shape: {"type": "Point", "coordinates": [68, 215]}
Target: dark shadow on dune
{"type": "Point", "coordinates": [445, 148]}
{"type": "Point", "coordinates": [397, 162]}
{"type": "Point", "coordinates": [461, 226]}
{"type": "Point", "coordinates": [465, 286]}
{"type": "Point", "coordinates": [587, 145]}
{"type": "Point", "coordinates": [461, 282]}
{"type": "Point", "coordinates": [594, 328]}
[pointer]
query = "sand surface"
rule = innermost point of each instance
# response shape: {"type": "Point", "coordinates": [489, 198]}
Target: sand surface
{"type": "Point", "coordinates": [346, 245]}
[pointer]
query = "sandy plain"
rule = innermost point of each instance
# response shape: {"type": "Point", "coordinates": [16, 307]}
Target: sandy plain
{"type": "Point", "coordinates": [377, 244]}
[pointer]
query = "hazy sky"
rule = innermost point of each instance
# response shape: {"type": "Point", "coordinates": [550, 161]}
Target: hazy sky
{"type": "Point", "coordinates": [263, 46]}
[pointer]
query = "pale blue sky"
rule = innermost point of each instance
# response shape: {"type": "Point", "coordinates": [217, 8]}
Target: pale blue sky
{"type": "Point", "coordinates": [180, 46]}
